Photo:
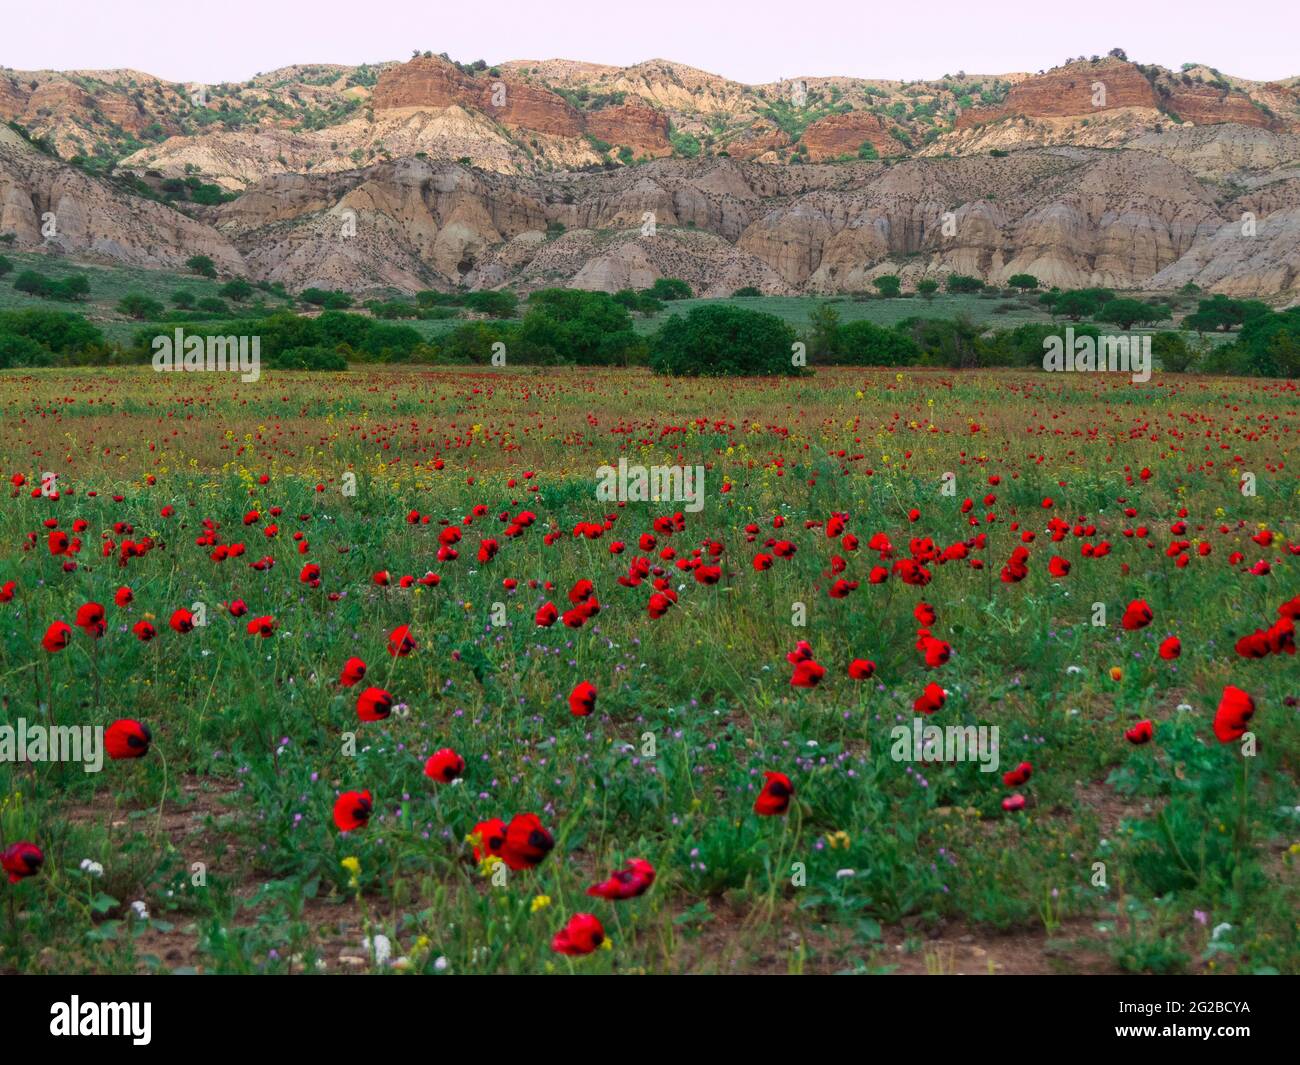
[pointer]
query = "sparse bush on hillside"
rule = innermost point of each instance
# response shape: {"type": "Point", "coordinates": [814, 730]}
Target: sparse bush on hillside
{"type": "Point", "coordinates": [202, 265]}
{"type": "Point", "coordinates": [135, 305]}
{"type": "Point", "coordinates": [888, 284]}
{"type": "Point", "coordinates": [963, 283]}
{"type": "Point", "coordinates": [1024, 282]}
{"type": "Point", "coordinates": [723, 340]}
{"type": "Point", "coordinates": [670, 288]}
{"type": "Point", "coordinates": [330, 299]}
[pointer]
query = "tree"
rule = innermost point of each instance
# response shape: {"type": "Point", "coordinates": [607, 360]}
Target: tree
{"type": "Point", "coordinates": [212, 305]}
{"type": "Point", "coordinates": [1126, 313]}
{"type": "Point", "coordinates": [202, 265]}
{"type": "Point", "coordinates": [236, 289]}
{"type": "Point", "coordinates": [1074, 305]}
{"type": "Point", "coordinates": [5, 265]}
{"type": "Point", "coordinates": [670, 288]}
{"type": "Point", "coordinates": [964, 283]}
{"type": "Point", "coordinates": [72, 287]}
{"type": "Point", "coordinates": [34, 284]}
{"type": "Point", "coordinates": [1173, 351]}
{"type": "Point", "coordinates": [495, 303]}
{"type": "Point", "coordinates": [135, 305]}
{"type": "Point", "coordinates": [927, 287]}
{"type": "Point", "coordinates": [825, 322]}
{"type": "Point", "coordinates": [183, 298]}
{"type": "Point", "coordinates": [888, 284]}
{"type": "Point", "coordinates": [864, 343]}
{"type": "Point", "coordinates": [1024, 282]}
{"type": "Point", "coordinates": [722, 339]}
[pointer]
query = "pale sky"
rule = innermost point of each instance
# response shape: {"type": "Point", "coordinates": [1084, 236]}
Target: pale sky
{"type": "Point", "coordinates": [747, 40]}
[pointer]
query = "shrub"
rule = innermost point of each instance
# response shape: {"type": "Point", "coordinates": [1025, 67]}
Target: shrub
{"type": "Point", "coordinates": [6, 265]}
{"type": "Point", "coordinates": [236, 289]}
{"type": "Point", "coordinates": [574, 326]}
{"type": "Point", "coordinates": [927, 287]}
{"type": "Point", "coordinates": [888, 284]}
{"type": "Point", "coordinates": [202, 265]}
{"type": "Point", "coordinates": [58, 331]}
{"type": "Point", "coordinates": [18, 350]}
{"type": "Point", "coordinates": [747, 292]}
{"type": "Point", "coordinates": [670, 288]}
{"type": "Point", "coordinates": [330, 299]}
{"type": "Point", "coordinates": [498, 303]}
{"type": "Point", "coordinates": [1126, 313]}
{"type": "Point", "coordinates": [864, 343]}
{"type": "Point", "coordinates": [213, 305]}
{"type": "Point", "coordinates": [718, 340]}
{"type": "Point", "coordinates": [183, 298]}
{"type": "Point", "coordinates": [135, 305]}
{"type": "Point", "coordinates": [1173, 351]}
{"type": "Point", "coordinates": [963, 283]}
{"type": "Point", "coordinates": [1024, 282]}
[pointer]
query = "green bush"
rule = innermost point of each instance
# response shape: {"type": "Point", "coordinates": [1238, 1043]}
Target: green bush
{"type": "Point", "coordinates": [6, 265]}
{"type": "Point", "coordinates": [722, 340]}
{"type": "Point", "coordinates": [498, 303]}
{"type": "Point", "coordinates": [16, 350]}
{"type": "Point", "coordinates": [864, 343]}
{"type": "Point", "coordinates": [202, 265]}
{"type": "Point", "coordinates": [888, 284]}
{"type": "Point", "coordinates": [963, 283]}
{"type": "Point", "coordinates": [565, 325]}
{"type": "Point", "coordinates": [135, 305]}
{"type": "Point", "coordinates": [670, 288]}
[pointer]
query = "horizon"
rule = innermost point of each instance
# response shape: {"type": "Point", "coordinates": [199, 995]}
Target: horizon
{"type": "Point", "coordinates": [160, 40]}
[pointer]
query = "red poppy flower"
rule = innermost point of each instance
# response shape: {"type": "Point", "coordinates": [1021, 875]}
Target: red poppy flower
{"type": "Point", "coordinates": [445, 765]}
{"type": "Point", "coordinates": [263, 626]}
{"type": "Point", "coordinates": [182, 621]}
{"type": "Point", "coordinates": [1019, 776]}
{"type": "Point", "coordinates": [353, 670]}
{"type": "Point", "coordinates": [1235, 709]}
{"type": "Point", "coordinates": [861, 668]}
{"type": "Point", "coordinates": [527, 842]}
{"type": "Point", "coordinates": [582, 700]}
{"type": "Point", "coordinates": [583, 934]}
{"type": "Point", "coordinates": [633, 880]}
{"type": "Point", "coordinates": [930, 700]}
{"type": "Point", "coordinates": [489, 838]}
{"type": "Point", "coordinates": [807, 674]}
{"type": "Point", "coordinates": [1137, 615]}
{"type": "Point", "coordinates": [374, 704]}
{"type": "Point", "coordinates": [144, 631]}
{"type": "Point", "coordinates": [546, 615]}
{"type": "Point", "coordinates": [1171, 648]}
{"type": "Point", "coordinates": [352, 810]}
{"type": "Point", "coordinates": [924, 614]}
{"type": "Point", "coordinates": [127, 738]}
{"type": "Point", "coordinates": [21, 860]}
{"type": "Point", "coordinates": [1140, 733]}
{"type": "Point", "coordinates": [1012, 803]}
{"type": "Point", "coordinates": [776, 794]}
{"type": "Point", "coordinates": [400, 642]}
{"type": "Point", "coordinates": [123, 596]}
{"type": "Point", "coordinates": [56, 637]}
{"type": "Point", "coordinates": [7, 591]}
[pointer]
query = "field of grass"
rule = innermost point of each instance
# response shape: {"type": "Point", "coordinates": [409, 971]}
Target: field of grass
{"type": "Point", "coordinates": [301, 517]}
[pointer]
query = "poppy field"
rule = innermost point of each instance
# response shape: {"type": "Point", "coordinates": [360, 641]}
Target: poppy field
{"type": "Point", "coordinates": [980, 672]}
